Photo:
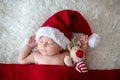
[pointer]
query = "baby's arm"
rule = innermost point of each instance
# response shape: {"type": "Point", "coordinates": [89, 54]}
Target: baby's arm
{"type": "Point", "coordinates": [26, 55]}
{"type": "Point", "coordinates": [84, 41]}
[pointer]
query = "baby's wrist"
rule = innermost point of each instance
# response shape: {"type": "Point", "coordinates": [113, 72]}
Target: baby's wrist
{"type": "Point", "coordinates": [84, 44]}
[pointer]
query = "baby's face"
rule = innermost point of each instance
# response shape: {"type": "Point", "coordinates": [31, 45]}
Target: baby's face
{"type": "Point", "coordinates": [47, 46]}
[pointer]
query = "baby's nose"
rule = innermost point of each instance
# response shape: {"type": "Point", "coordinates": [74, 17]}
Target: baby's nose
{"type": "Point", "coordinates": [79, 53]}
{"type": "Point", "coordinates": [45, 44]}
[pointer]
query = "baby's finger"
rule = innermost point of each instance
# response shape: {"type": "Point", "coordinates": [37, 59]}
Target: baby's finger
{"type": "Point", "coordinates": [33, 36]}
{"type": "Point", "coordinates": [86, 36]}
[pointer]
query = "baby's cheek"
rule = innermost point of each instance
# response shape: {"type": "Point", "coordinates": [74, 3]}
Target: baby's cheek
{"type": "Point", "coordinates": [54, 49]}
{"type": "Point", "coordinates": [39, 47]}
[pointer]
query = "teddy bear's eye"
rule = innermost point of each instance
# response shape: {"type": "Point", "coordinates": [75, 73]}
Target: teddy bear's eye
{"type": "Point", "coordinates": [77, 44]}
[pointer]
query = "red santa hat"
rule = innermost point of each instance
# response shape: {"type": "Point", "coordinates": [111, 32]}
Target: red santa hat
{"type": "Point", "coordinates": [61, 26]}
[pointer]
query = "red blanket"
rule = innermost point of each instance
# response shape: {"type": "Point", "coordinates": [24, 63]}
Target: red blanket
{"type": "Point", "coordinates": [53, 72]}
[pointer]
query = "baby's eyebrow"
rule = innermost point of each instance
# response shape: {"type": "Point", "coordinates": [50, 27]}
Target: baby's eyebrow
{"type": "Point", "coordinates": [51, 41]}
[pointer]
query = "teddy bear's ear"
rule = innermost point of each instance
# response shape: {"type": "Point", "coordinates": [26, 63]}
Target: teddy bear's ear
{"type": "Point", "coordinates": [78, 43]}
{"type": "Point", "coordinates": [69, 47]}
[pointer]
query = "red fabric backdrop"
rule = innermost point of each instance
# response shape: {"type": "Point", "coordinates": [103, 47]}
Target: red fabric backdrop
{"type": "Point", "coordinates": [53, 72]}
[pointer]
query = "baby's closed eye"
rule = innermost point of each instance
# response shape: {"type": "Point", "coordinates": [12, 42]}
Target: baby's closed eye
{"type": "Point", "coordinates": [51, 43]}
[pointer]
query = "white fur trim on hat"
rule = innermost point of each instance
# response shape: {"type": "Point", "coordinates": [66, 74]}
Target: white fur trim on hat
{"type": "Point", "coordinates": [54, 34]}
{"type": "Point", "coordinates": [94, 40]}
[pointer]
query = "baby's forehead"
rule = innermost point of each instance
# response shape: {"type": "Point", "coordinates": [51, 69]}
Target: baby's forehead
{"type": "Point", "coordinates": [46, 38]}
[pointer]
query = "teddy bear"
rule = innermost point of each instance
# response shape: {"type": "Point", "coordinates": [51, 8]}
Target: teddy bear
{"type": "Point", "coordinates": [76, 58]}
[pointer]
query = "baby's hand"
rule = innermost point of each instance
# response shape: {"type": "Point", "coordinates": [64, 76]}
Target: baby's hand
{"type": "Point", "coordinates": [84, 39]}
{"type": "Point", "coordinates": [31, 41]}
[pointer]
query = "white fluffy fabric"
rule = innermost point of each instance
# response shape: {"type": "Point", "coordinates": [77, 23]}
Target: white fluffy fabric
{"type": "Point", "coordinates": [94, 40]}
{"type": "Point", "coordinates": [21, 18]}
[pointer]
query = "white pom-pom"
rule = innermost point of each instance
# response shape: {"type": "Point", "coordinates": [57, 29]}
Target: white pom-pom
{"type": "Point", "coordinates": [94, 40]}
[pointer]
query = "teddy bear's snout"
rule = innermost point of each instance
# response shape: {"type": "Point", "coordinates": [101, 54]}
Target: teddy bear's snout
{"type": "Point", "coordinates": [79, 53]}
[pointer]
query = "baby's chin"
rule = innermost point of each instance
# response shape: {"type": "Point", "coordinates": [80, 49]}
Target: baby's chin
{"type": "Point", "coordinates": [45, 53]}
